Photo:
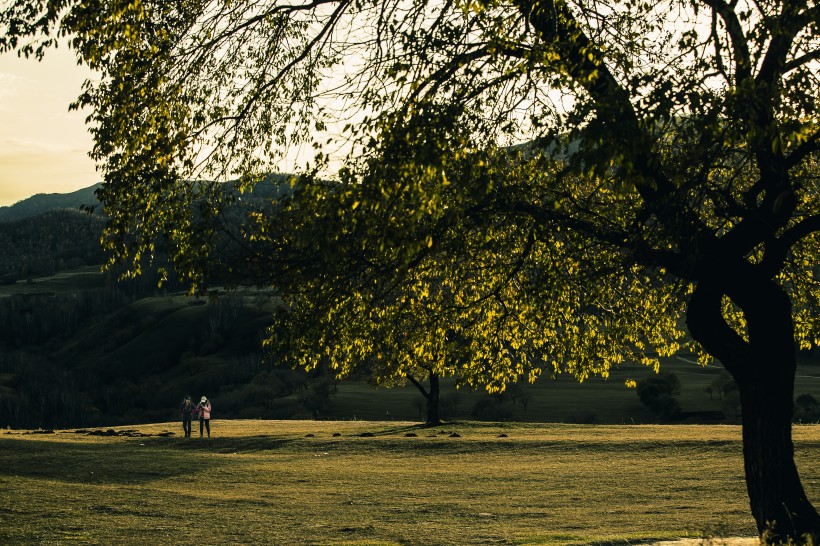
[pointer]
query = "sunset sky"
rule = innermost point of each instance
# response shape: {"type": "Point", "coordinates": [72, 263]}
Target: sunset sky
{"type": "Point", "coordinates": [43, 146]}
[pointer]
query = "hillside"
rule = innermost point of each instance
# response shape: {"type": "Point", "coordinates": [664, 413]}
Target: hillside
{"type": "Point", "coordinates": [53, 241]}
{"type": "Point", "coordinates": [44, 202]}
{"type": "Point", "coordinates": [49, 233]}
{"type": "Point", "coordinates": [78, 348]}
{"type": "Point", "coordinates": [274, 185]}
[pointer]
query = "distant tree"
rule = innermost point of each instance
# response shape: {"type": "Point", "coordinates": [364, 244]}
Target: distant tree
{"type": "Point", "coordinates": [710, 390]}
{"type": "Point", "coordinates": [317, 396]}
{"type": "Point", "coordinates": [394, 341]}
{"type": "Point", "coordinates": [806, 409]}
{"type": "Point", "coordinates": [518, 392]}
{"type": "Point", "coordinates": [671, 173]}
{"type": "Point", "coordinates": [723, 385]}
{"type": "Point", "coordinates": [657, 393]}
{"type": "Point", "coordinates": [525, 395]}
{"type": "Point", "coordinates": [488, 409]}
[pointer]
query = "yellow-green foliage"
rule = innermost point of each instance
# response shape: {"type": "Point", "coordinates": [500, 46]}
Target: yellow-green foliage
{"type": "Point", "coordinates": [478, 289]}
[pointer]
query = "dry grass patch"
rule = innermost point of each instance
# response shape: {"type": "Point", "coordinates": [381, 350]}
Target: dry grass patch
{"type": "Point", "coordinates": [294, 482]}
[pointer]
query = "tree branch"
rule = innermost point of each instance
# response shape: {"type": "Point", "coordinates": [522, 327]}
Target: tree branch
{"type": "Point", "coordinates": [584, 63]}
{"type": "Point", "coordinates": [743, 64]}
{"type": "Point", "coordinates": [704, 320]}
{"type": "Point", "coordinates": [786, 28]}
{"type": "Point", "coordinates": [811, 146]}
{"type": "Point", "coordinates": [276, 10]}
{"type": "Point", "coordinates": [721, 66]}
{"type": "Point", "coordinates": [803, 60]}
{"type": "Point", "coordinates": [778, 250]}
{"type": "Point", "coordinates": [418, 385]}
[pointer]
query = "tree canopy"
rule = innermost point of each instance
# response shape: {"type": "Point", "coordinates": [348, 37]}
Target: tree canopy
{"type": "Point", "coordinates": [527, 184]}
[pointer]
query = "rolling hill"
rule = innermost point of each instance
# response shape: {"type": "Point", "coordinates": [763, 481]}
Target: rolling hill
{"type": "Point", "coordinates": [44, 202]}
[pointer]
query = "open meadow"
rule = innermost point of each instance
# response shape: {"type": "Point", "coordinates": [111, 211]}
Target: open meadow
{"type": "Point", "coordinates": [358, 482]}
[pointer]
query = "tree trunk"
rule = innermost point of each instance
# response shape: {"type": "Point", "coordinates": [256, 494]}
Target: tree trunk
{"type": "Point", "coordinates": [764, 369]}
{"type": "Point", "coordinates": [778, 501]}
{"type": "Point", "coordinates": [433, 417]}
{"type": "Point", "coordinates": [432, 397]}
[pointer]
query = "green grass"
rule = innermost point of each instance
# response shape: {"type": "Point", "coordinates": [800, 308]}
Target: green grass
{"type": "Point", "coordinates": [267, 482]}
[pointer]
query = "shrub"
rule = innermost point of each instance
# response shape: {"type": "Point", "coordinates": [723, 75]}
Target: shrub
{"type": "Point", "coordinates": [724, 385]}
{"type": "Point", "coordinates": [317, 396]}
{"type": "Point", "coordinates": [582, 417]}
{"type": "Point", "coordinates": [488, 409]}
{"type": "Point", "coordinates": [656, 392]}
{"type": "Point", "coordinates": [806, 409]}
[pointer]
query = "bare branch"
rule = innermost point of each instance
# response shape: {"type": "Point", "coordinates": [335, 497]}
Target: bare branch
{"type": "Point", "coordinates": [812, 145]}
{"type": "Point", "coordinates": [251, 21]}
{"type": "Point", "coordinates": [740, 48]}
{"type": "Point", "coordinates": [584, 62]}
{"type": "Point", "coordinates": [801, 61]}
{"type": "Point", "coordinates": [778, 250]}
{"type": "Point", "coordinates": [785, 29]}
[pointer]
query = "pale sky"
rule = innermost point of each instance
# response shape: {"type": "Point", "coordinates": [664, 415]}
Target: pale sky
{"type": "Point", "coordinates": [43, 147]}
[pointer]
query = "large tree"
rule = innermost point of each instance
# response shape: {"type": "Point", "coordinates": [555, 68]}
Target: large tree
{"type": "Point", "coordinates": [445, 281]}
{"type": "Point", "coordinates": [671, 159]}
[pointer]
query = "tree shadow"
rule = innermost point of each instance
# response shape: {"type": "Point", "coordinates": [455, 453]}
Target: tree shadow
{"type": "Point", "coordinates": [130, 462]}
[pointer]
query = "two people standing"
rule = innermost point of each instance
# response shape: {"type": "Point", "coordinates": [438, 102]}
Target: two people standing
{"type": "Point", "coordinates": [201, 410]}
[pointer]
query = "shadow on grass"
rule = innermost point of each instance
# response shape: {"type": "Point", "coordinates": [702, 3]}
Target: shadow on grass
{"type": "Point", "coordinates": [626, 542]}
{"type": "Point", "coordinates": [399, 430]}
{"type": "Point", "coordinates": [131, 462]}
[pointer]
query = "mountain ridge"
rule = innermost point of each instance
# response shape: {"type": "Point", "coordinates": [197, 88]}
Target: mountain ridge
{"type": "Point", "coordinates": [44, 202]}
{"type": "Point", "coordinates": [275, 185]}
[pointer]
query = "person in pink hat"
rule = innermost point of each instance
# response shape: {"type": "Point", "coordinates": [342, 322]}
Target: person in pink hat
{"type": "Point", "coordinates": [203, 409]}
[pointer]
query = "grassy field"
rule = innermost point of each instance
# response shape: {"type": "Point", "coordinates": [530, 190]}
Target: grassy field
{"type": "Point", "coordinates": [322, 482]}
{"type": "Point", "coordinates": [66, 282]}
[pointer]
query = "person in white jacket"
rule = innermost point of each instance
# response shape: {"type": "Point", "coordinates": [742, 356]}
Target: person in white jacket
{"type": "Point", "coordinates": [204, 411]}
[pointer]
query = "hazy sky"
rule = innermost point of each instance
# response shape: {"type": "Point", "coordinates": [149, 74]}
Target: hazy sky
{"type": "Point", "coordinates": [43, 146]}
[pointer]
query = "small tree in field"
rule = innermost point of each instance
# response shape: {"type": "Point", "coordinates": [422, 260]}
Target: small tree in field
{"type": "Point", "coordinates": [710, 390]}
{"type": "Point", "coordinates": [657, 393]}
{"type": "Point", "coordinates": [723, 385]}
{"type": "Point", "coordinates": [670, 175]}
